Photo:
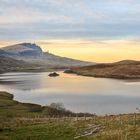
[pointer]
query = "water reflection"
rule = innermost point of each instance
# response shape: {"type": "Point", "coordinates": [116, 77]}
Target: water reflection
{"type": "Point", "coordinates": [78, 93]}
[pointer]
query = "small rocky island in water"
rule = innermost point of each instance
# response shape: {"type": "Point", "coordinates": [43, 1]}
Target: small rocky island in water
{"type": "Point", "coordinates": [53, 74]}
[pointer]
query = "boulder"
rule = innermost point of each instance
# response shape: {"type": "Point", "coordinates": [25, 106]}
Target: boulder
{"type": "Point", "coordinates": [53, 74]}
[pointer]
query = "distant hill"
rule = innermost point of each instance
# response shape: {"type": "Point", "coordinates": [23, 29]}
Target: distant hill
{"type": "Point", "coordinates": [33, 53]}
{"type": "Point", "coordinates": [23, 50]}
{"type": "Point", "coordinates": [8, 64]}
{"type": "Point", "coordinates": [126, 69]}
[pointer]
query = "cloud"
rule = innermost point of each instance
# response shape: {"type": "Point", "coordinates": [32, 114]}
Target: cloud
{"type": "Point", "coordinates": [69, 19]}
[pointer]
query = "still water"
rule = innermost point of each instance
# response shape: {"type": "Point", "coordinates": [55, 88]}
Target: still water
{"type": "Point", "coordinates": [77, 93]}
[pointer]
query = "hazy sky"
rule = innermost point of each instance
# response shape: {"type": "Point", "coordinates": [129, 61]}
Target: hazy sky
{"type": "Point", "coordinates": [97, 30]}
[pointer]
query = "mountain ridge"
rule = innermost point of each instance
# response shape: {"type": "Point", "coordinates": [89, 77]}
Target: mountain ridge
{"type": "Point", "coordinates": [33, 53]}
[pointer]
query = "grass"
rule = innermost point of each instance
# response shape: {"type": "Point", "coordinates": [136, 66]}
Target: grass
{"type": "Point", "coordinates": [5, 95]}
{"type": "Point", "coordinates": [21, 121]}
{"type": "Point", "coordinates": [50, 131]}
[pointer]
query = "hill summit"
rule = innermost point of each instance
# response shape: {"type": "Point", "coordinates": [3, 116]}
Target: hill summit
{"type": "Point", "coordinates": [24, 49]}
{"type": "Point", "coordinates": [33, 53]}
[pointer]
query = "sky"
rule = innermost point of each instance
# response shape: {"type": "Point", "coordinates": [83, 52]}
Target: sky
{"type": "Point", "coordinates": [93, 30]}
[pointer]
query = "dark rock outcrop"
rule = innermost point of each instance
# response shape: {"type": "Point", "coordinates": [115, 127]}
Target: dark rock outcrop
{"type": "Point", "coordinates": [53, 74]}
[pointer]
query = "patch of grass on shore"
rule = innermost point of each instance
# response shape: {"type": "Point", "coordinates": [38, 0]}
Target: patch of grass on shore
{"type": "Point", "coordinates": [25, 121]}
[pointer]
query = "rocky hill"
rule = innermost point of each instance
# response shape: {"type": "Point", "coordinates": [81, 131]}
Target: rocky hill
{"type": "Point", "coordinates": [33, 53]}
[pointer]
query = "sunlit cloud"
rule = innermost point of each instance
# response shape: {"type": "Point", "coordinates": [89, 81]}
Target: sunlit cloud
{"type": "Point", "coordinates": [101, 30]}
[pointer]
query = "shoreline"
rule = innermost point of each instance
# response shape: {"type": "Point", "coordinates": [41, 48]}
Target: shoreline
{"type": "Point", "coordinates": [109, 77]}
{"type": "Point", "coordinates": [127, 69]}
{"type": "Point", "coordinates": [8, 96]}
{"type": "Point", "coordinates": [119, 77]}
{"type": "Point", "coordinates": [4, 93]}
{"type": "Point", "coordinates": [28, 121]}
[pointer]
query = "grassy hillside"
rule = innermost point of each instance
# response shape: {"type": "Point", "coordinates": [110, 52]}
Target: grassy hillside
{"type": "Point", "coordinates": [24, 121]}
{"type": "Point", "coordinates": [10, 108]}
{"type": "Point", "coordinates": [127, 69]}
